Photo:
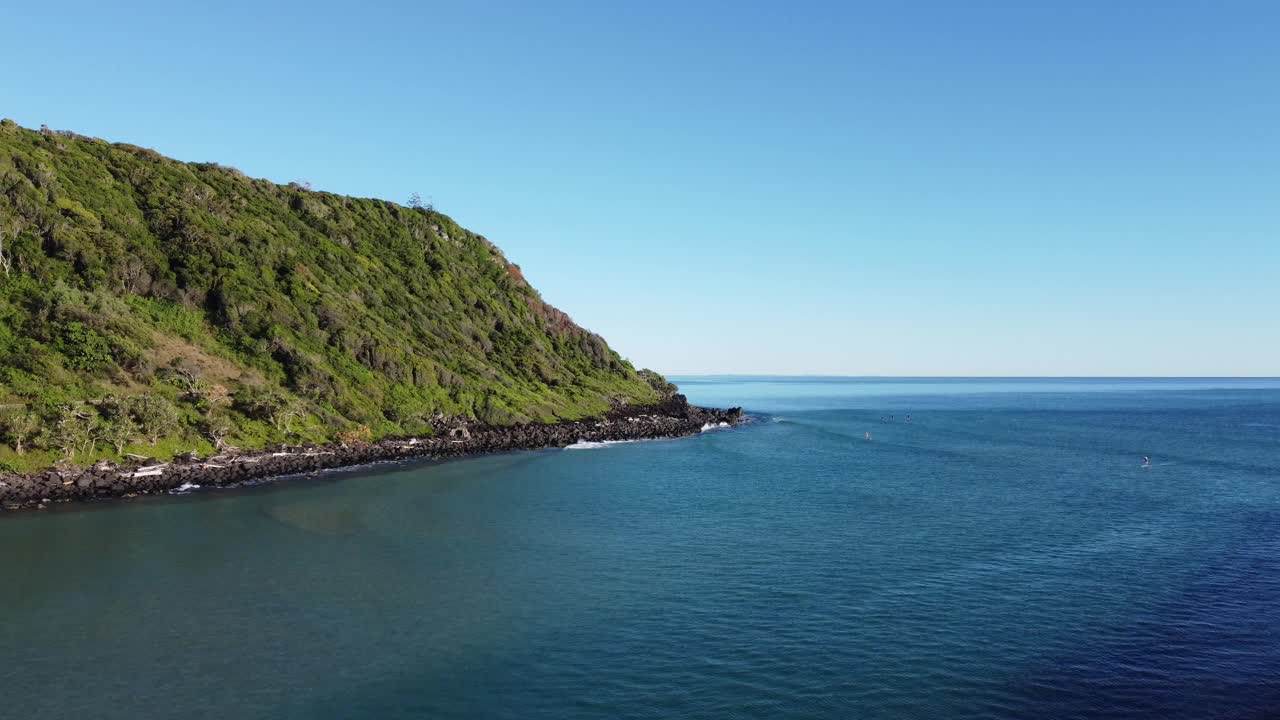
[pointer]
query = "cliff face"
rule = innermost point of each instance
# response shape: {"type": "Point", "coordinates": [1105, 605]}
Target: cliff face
{"type": "Point", "coordinates": [150, 305]}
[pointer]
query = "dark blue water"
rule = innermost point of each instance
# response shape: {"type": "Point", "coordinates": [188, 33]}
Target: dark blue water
{"type": "Point", "coordinates": [1003, 555]}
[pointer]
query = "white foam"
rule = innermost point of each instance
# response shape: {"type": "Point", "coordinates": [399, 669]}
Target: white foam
{"type": "Point", "coordinates": [184, 488]}
{"type": "Point", "coordinates": [714, 426]}
{"type": "Point", "coordinates": [596, 445]}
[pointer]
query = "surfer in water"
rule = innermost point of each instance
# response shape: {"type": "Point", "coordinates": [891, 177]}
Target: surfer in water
{"type": "Point", "coordinates": [868, 436]}
{"type": "Point", "coordinates": [1146, 461]}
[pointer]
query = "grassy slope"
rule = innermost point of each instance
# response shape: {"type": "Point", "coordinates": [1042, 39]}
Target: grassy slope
{"type": "Point", "coordinates": [136, 274]}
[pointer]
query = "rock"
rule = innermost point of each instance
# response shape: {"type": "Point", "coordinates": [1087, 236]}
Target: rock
{"type": "Point", "coordinates": [455, 437]}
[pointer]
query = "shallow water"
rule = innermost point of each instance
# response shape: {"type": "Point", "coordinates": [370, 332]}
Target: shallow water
{"type": "Point", "coordinates": [1003, 555]}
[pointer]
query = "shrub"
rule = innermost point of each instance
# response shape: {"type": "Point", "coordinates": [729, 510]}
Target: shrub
{"type": "Point", "coordinates": [359, 435]}
{"type": "Point", "coordinates": [660, 385]}
{"type": "Point", "coordinates": [83, 347]}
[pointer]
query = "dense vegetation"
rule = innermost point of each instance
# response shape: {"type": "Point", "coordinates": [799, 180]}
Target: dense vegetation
{"type": "Point", "coordinates": [152, 306]}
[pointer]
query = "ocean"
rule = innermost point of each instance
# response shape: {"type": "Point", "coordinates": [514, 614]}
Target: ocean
{"type": "Point", "coordinates": [1005, 553]}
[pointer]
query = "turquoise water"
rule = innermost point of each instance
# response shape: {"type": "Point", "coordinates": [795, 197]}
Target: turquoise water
{"type": "Point", "coordinates": [1003, 555]}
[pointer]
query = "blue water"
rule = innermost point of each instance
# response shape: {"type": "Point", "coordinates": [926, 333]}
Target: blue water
{"type": "Point", "coordinates": [1003, 555]}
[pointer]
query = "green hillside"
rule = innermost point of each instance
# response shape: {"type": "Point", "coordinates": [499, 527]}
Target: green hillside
{"type": "Point", "coordinates": [151, 306]}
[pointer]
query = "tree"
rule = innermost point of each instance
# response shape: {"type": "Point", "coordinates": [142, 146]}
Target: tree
{"type": "Point", "coordinates": [286, 413]}
{"type": "Point", "coordinates": [73, 430]}
{"type": "Point", "coordinates": [19, 428]}
{"type": "Point", "coordinates": [271, 405]}
{"type": "Point", "coordinates": [155, 415]}
{"type": "Point", "coordinates": [188, 377]}
{"type": "Point", "coordinates": [415, 202]}
{"type": "Point", "coordinates": [118, 426]}
{"type": "Point", "coordinates": [185, 375]}
{"type": "Point", "coordinates": [8, 231]}
{"type": "Point", "coordinates": [119, 431]}
{"type": "Point", "coordinates": [216, 428]}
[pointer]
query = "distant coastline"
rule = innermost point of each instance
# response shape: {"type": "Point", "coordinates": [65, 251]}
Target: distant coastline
{"type": "Point", "coordinates": [109, 481]}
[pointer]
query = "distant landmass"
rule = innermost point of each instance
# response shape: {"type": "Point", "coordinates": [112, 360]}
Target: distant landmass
{"type": "Point", "coordinates": [154, 307]}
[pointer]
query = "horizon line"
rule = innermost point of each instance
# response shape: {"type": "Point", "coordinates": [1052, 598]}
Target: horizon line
{"type": "Point", "coordinates": [977, 377]}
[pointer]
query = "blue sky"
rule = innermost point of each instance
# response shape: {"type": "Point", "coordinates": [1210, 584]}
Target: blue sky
{"type": "Point", "coordinates": [977, 188]}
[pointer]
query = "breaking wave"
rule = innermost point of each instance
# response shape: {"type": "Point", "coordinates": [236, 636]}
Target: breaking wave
{"type": "Point", "coordinates": [596, 444]}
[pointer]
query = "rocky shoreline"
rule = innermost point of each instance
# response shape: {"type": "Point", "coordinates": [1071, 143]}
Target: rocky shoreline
{"type": "Point", "coordinates": [673, 418]}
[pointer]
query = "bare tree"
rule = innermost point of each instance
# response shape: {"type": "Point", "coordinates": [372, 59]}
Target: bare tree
{"type": "Point", "coordinates": [415, 201]}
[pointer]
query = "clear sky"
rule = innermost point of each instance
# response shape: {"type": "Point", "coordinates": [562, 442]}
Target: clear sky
{"type": "Point", "coordinates": [907, 188]}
